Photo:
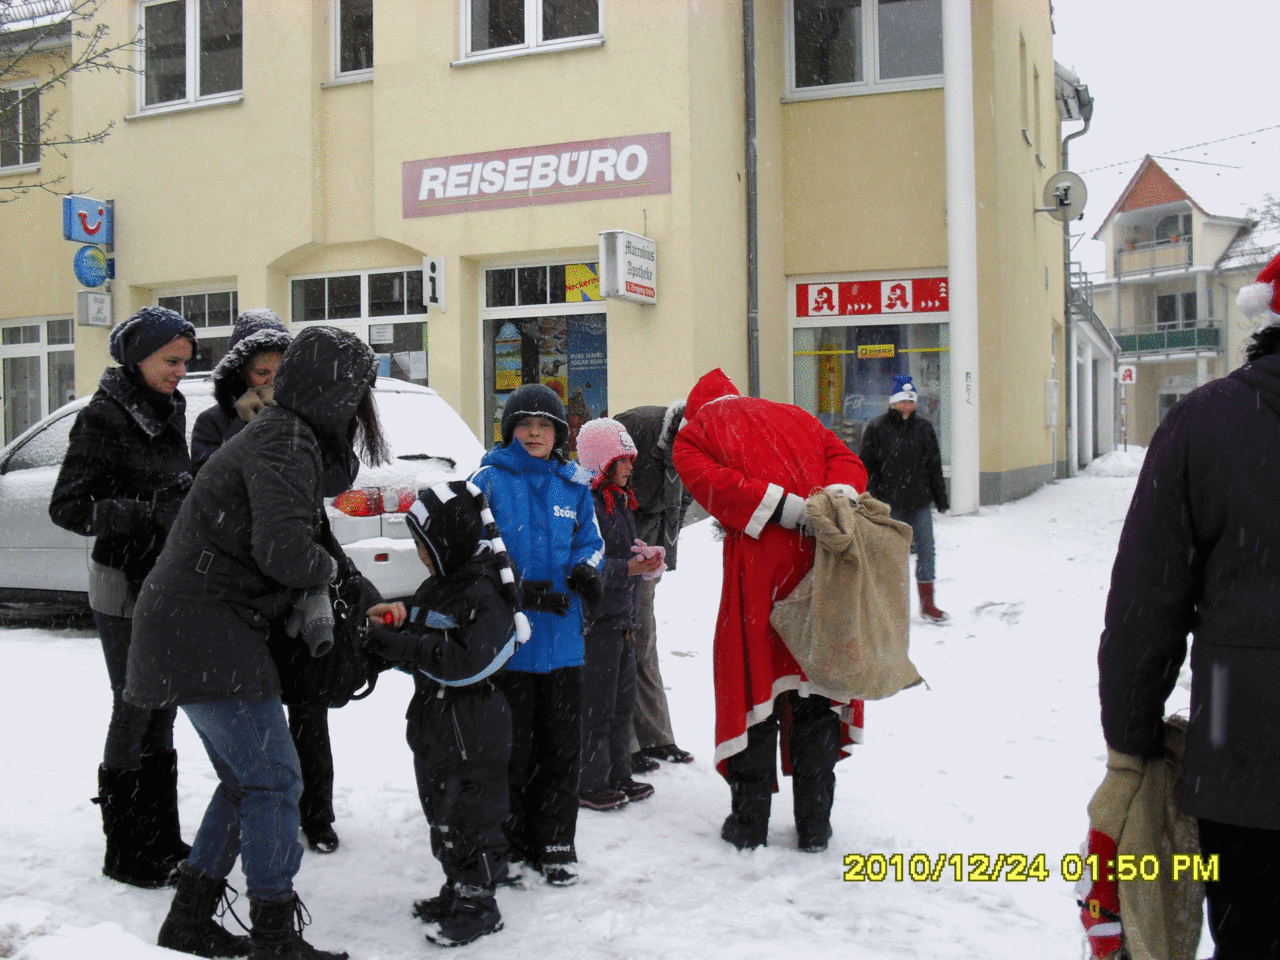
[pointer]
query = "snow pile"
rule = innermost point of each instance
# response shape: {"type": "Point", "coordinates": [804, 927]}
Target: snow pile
{"type": "Point", "coordinates": [999, 754]}
{"type": "Point", "coordinates": [1118, 463]}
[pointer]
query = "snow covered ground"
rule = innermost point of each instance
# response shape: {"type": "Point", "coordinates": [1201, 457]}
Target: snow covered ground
{"type": "Point", "coordinates": [999, 754]}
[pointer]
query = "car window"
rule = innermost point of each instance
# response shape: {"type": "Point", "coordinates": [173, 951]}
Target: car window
{"type": "Point", "coordinates": [43, 449]}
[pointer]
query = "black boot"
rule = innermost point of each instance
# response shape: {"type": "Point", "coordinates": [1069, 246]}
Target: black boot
{"type": "Point", "coordinates": [158, 819]}
{"type": "Point", "coordinates": [128, 858]}
{"type": "Point", "coordinates": [747, 827]}
{"type": "Point", "coordinates": [473, 914]}
{"type": "Point", "coordinates": [435, 909]}
{"type": "Point", "coordinates": [812, 797]}
{"type": "Point", "coordinates": [190, 927]}
{"type": "Point", "coordinates": [277, 931]}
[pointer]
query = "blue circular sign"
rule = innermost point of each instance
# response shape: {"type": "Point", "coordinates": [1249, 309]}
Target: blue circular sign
{"type": "Point", "coordinates": [90, 265]}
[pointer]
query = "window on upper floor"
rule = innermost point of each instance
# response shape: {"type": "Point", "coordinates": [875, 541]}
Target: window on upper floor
{"type": "Point", "coordinates": [19, 126]}
{"type": "Point", "coordinates": [353, 42]}
{"type": "Point", "coordinates": [1174, 228]}
{"type": "Point", "coordinates": [192, 51]}
{"type": "Point", "coordinates": [842, 47]}
{"type": "Point", "coordinates": [505, 26]}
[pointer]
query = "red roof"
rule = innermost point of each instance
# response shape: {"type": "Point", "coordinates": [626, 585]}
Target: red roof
{"type": "Point", "coordinates": [1150, 187]}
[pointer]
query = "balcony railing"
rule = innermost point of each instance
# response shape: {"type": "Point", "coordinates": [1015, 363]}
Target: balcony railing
{"type": "Point", "coordinates": [1169, 338]}
{"type": "Point", "coordinates": [1158, 256]}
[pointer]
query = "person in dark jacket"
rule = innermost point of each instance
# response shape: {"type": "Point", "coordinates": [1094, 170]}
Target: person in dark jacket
{"type": "Point", "coordinates": [661, 504]}
{"type": "Point", "coordinates": [606, 451]}
{"type": "Point", "coordinates": [904, 469]}
{"type": "Point", "coordinates": [248, 550]}
{"type": "Point", "coordinates": [243, 385]}
{"type": "Point", "coordinates": [1198, 556]}
{"type": "Point", "coordinates": [543, 506]}
{"type": "Point", "coordinates": [122, 481]}
{"type": "Point", "coordinates": [463, 627]}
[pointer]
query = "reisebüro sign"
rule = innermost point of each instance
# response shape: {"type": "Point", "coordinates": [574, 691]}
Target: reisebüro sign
{"type": "Point", "coordinates": [533, 176]}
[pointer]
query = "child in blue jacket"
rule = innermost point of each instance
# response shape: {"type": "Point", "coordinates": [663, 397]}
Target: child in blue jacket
{"type": "Point", "coordinates": [463, 628]}
{"type": "Point", "coordinates": [542, 503]}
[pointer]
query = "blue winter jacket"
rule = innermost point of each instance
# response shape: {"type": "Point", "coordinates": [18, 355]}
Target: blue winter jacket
{"type": "Point", "coordinates": [547, 520]}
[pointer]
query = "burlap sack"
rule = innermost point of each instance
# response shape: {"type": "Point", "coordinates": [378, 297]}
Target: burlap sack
{"type": "Point", "coordinates": [846, 622]}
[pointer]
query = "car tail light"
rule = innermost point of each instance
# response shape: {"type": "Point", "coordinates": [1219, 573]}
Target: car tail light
{"type": "Point", "coordinates": [403, 500]}
{"type": "Point", "coordinates": [360, 503]}
{"type": "Point", "coordinates": [382, 558]}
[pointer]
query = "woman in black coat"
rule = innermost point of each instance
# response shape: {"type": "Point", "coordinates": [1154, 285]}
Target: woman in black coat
{"type": "Point", "coordinates": [122, 481]}
{"type": "Point", "coordinates": [247, 550]}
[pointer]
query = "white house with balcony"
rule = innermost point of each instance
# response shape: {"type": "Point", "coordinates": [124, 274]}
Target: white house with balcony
{"type": "Point", "coordinates": [1173, 269]}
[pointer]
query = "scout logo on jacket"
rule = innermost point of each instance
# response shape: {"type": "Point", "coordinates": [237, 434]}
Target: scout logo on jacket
{"type": "Point", "coordinates": [565, 512]}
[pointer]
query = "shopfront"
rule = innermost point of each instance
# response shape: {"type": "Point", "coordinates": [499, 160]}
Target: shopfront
{"type": "Point", "coordinates": [852, 335]}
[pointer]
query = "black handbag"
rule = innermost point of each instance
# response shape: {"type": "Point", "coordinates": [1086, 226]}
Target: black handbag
{"type": "Point", "coordinates": [348, 671]}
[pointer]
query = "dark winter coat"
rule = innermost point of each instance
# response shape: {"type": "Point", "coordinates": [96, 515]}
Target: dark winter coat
{"type": "Point", "coordinates": [248, 539]}
{"type": "Point", "coordinates": [458, 722]}
{"type": "Point", "coordinates": [619, 606]}
{"type": "Point", "coordinates": [544, 510]}
{"type": "Point", "coordinates": [904, 462]}
{"type": "Point", "coordinates": [1199, 555]}
{"type": "Point", "coordinates": [661, 499]}
{"type": "Point", "coordinates": [213, 428]}
{"type": "Point", "coordinates": [125, 473]}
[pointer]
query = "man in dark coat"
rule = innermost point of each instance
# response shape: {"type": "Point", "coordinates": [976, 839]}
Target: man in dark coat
{"type": "Point", "coordinates": [1200, 554]}
{"type": "Point", "coordinates": [904, 469]}
{"type": "Point", "coordinates": [661, 502]}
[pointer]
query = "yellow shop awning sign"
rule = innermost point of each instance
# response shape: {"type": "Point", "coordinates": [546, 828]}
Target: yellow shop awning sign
{"type": "Point", "coordinates": [875, 351]}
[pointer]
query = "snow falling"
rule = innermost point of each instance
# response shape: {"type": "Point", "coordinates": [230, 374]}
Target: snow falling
{"type": "Point", "coordinates": [998, 755]}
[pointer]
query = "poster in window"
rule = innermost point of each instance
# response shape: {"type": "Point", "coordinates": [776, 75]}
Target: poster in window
{"type": "Point", "coordinates": [588, 372]}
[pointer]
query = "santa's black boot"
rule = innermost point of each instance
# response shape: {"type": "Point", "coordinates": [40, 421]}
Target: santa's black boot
{"type": "Point", "coordinates": [747, 827]}
{"type": "Point", "coordinates": [811, 799]}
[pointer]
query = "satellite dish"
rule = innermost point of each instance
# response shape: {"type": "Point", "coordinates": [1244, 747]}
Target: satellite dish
{"type": "Point", "coordinates": [1064, 196]}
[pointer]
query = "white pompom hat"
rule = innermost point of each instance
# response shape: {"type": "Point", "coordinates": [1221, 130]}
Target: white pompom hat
{"type": "Point", "coordinates": [1263, 297]}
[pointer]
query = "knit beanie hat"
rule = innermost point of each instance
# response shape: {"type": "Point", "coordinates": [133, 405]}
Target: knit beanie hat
{"type": "Point", "coordinates": [600, 442]}
{"type": "Point", "coordinates": [137, 338]}
{"type": "Point", "coordinates": [257, 330]}
{"type": "Point", "coordinates": [1262, 297]}
{"type": "Point", "coordinates": [452, 521]}
{"type": "Point", "coordinates": [902, 389]}
{"type": "Point", "coordinates": [534, 400]}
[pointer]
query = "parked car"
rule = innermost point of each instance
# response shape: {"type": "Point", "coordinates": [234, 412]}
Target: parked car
{"type": "Point", "coordinates": [40, 562]}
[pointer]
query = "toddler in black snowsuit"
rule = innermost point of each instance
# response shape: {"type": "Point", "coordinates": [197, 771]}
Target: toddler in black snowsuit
{"type": "Point", "coordinates": [462, 628]}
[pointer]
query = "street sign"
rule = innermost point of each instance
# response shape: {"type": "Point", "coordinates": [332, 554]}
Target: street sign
{"type": "Point", "coordinates": [90, 265]}
{"type": "Point", "coordinates": [86, 220]}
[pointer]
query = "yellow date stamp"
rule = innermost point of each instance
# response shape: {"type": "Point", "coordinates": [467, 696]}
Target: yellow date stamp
{"type": "Point", "coordinates": [1024, 867]}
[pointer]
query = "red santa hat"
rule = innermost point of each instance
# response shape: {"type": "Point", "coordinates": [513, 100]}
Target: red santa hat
{"type": "Point", "coordinates": [1257, 299]}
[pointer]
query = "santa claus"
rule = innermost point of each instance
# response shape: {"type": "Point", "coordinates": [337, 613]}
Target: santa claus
{"type": "Point", "coordinates": [751, 463]}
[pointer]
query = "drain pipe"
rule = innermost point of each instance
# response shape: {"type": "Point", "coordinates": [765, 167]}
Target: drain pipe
{"type": "Point", "coordinates": [753, 230]}
{"type": "Point", "coordinates": [1068, 328]}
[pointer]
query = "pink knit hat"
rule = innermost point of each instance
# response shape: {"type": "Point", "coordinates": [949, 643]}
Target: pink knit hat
{"type": "Point", "coordinates": [602, 441]}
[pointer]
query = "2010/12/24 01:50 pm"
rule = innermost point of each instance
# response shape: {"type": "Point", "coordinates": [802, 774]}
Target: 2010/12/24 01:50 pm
{"type": "Point", "coordinates": [1020, 867]}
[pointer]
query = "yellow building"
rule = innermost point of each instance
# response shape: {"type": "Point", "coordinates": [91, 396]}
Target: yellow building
{"type": "Point", "coordinates": [340, 160]}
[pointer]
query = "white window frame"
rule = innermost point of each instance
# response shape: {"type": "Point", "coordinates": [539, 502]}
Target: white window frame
{"type": "Point", "coordinates": [871, 83]}
{"type": "Point", "coordinates": [534, 42]}
{"type": "Point", "coordinates": [192, 57]}
{"type": "Point", "coordinates": [358, 325]}
{"type": "Point", "coordinates": [339, 75]}
{"type": "Point", "coordinates": [24, 166]}
{"type": "Point", "coordinates": [40, 347]}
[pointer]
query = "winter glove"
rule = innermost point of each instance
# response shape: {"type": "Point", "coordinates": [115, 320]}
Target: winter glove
{"type": "Point", "coordinates": [122, 516]}
{"type": "Point", "coordinates": [791, 515]}
{"type": "Point", "coordinates": [584, 580]}
{"type": "Point", "coordinates": [538, 595]}
{"type": "Point", "coordinates": [642, 549]}
{"type": "Point", "coordinates": [390, 644]}
{"type": "Point", "coordinates": [312, 616]}
{"type": "Point", "coordinates": [1099, 899]}
{"type": "Point", "coordinates": [253, 400]}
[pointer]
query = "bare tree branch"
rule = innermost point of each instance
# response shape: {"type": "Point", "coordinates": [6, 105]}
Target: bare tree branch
{"type": "Point", "coordinates": [43, 44]}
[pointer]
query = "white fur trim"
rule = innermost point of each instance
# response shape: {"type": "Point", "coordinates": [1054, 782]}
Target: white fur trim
{"type": "Point", "coordinates": [764, 510]}
{"type": "Point", "coordinates": [841, 490]}
{"type": "Point", "coordinates": [1254, 300]}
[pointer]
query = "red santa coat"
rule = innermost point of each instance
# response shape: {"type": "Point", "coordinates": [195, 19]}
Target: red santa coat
{"type": "Point", "coordinates": [739, 456]}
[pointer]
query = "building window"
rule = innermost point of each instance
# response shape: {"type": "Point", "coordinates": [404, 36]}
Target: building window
{"type": "Point", "coordinates": [37, 371]}
{"type": "Point", "coordinates": [522, 25]}
{"type": "Point", "coordinates": [1176, 310]}
{"type": "Point", "coordinates": [841, 47]}
{"type": "Point", "coordinates": [546, 324]}
{"type": "Point", "coordinates": [19, 126]}
{"type": "Point", "coordinates": [192, 50]}
{"type": "Point", "coordinates": [212, 314]}
{"type": "Point", "coordinates": [354, 41]}
{"type": "Point", "coordinates": [384, 307]}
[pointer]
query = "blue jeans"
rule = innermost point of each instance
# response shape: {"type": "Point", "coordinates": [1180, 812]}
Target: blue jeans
{"type": "Point", "coordinates": [254, 810]}
{"type": "Point", "coordinates": [921, 521]}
